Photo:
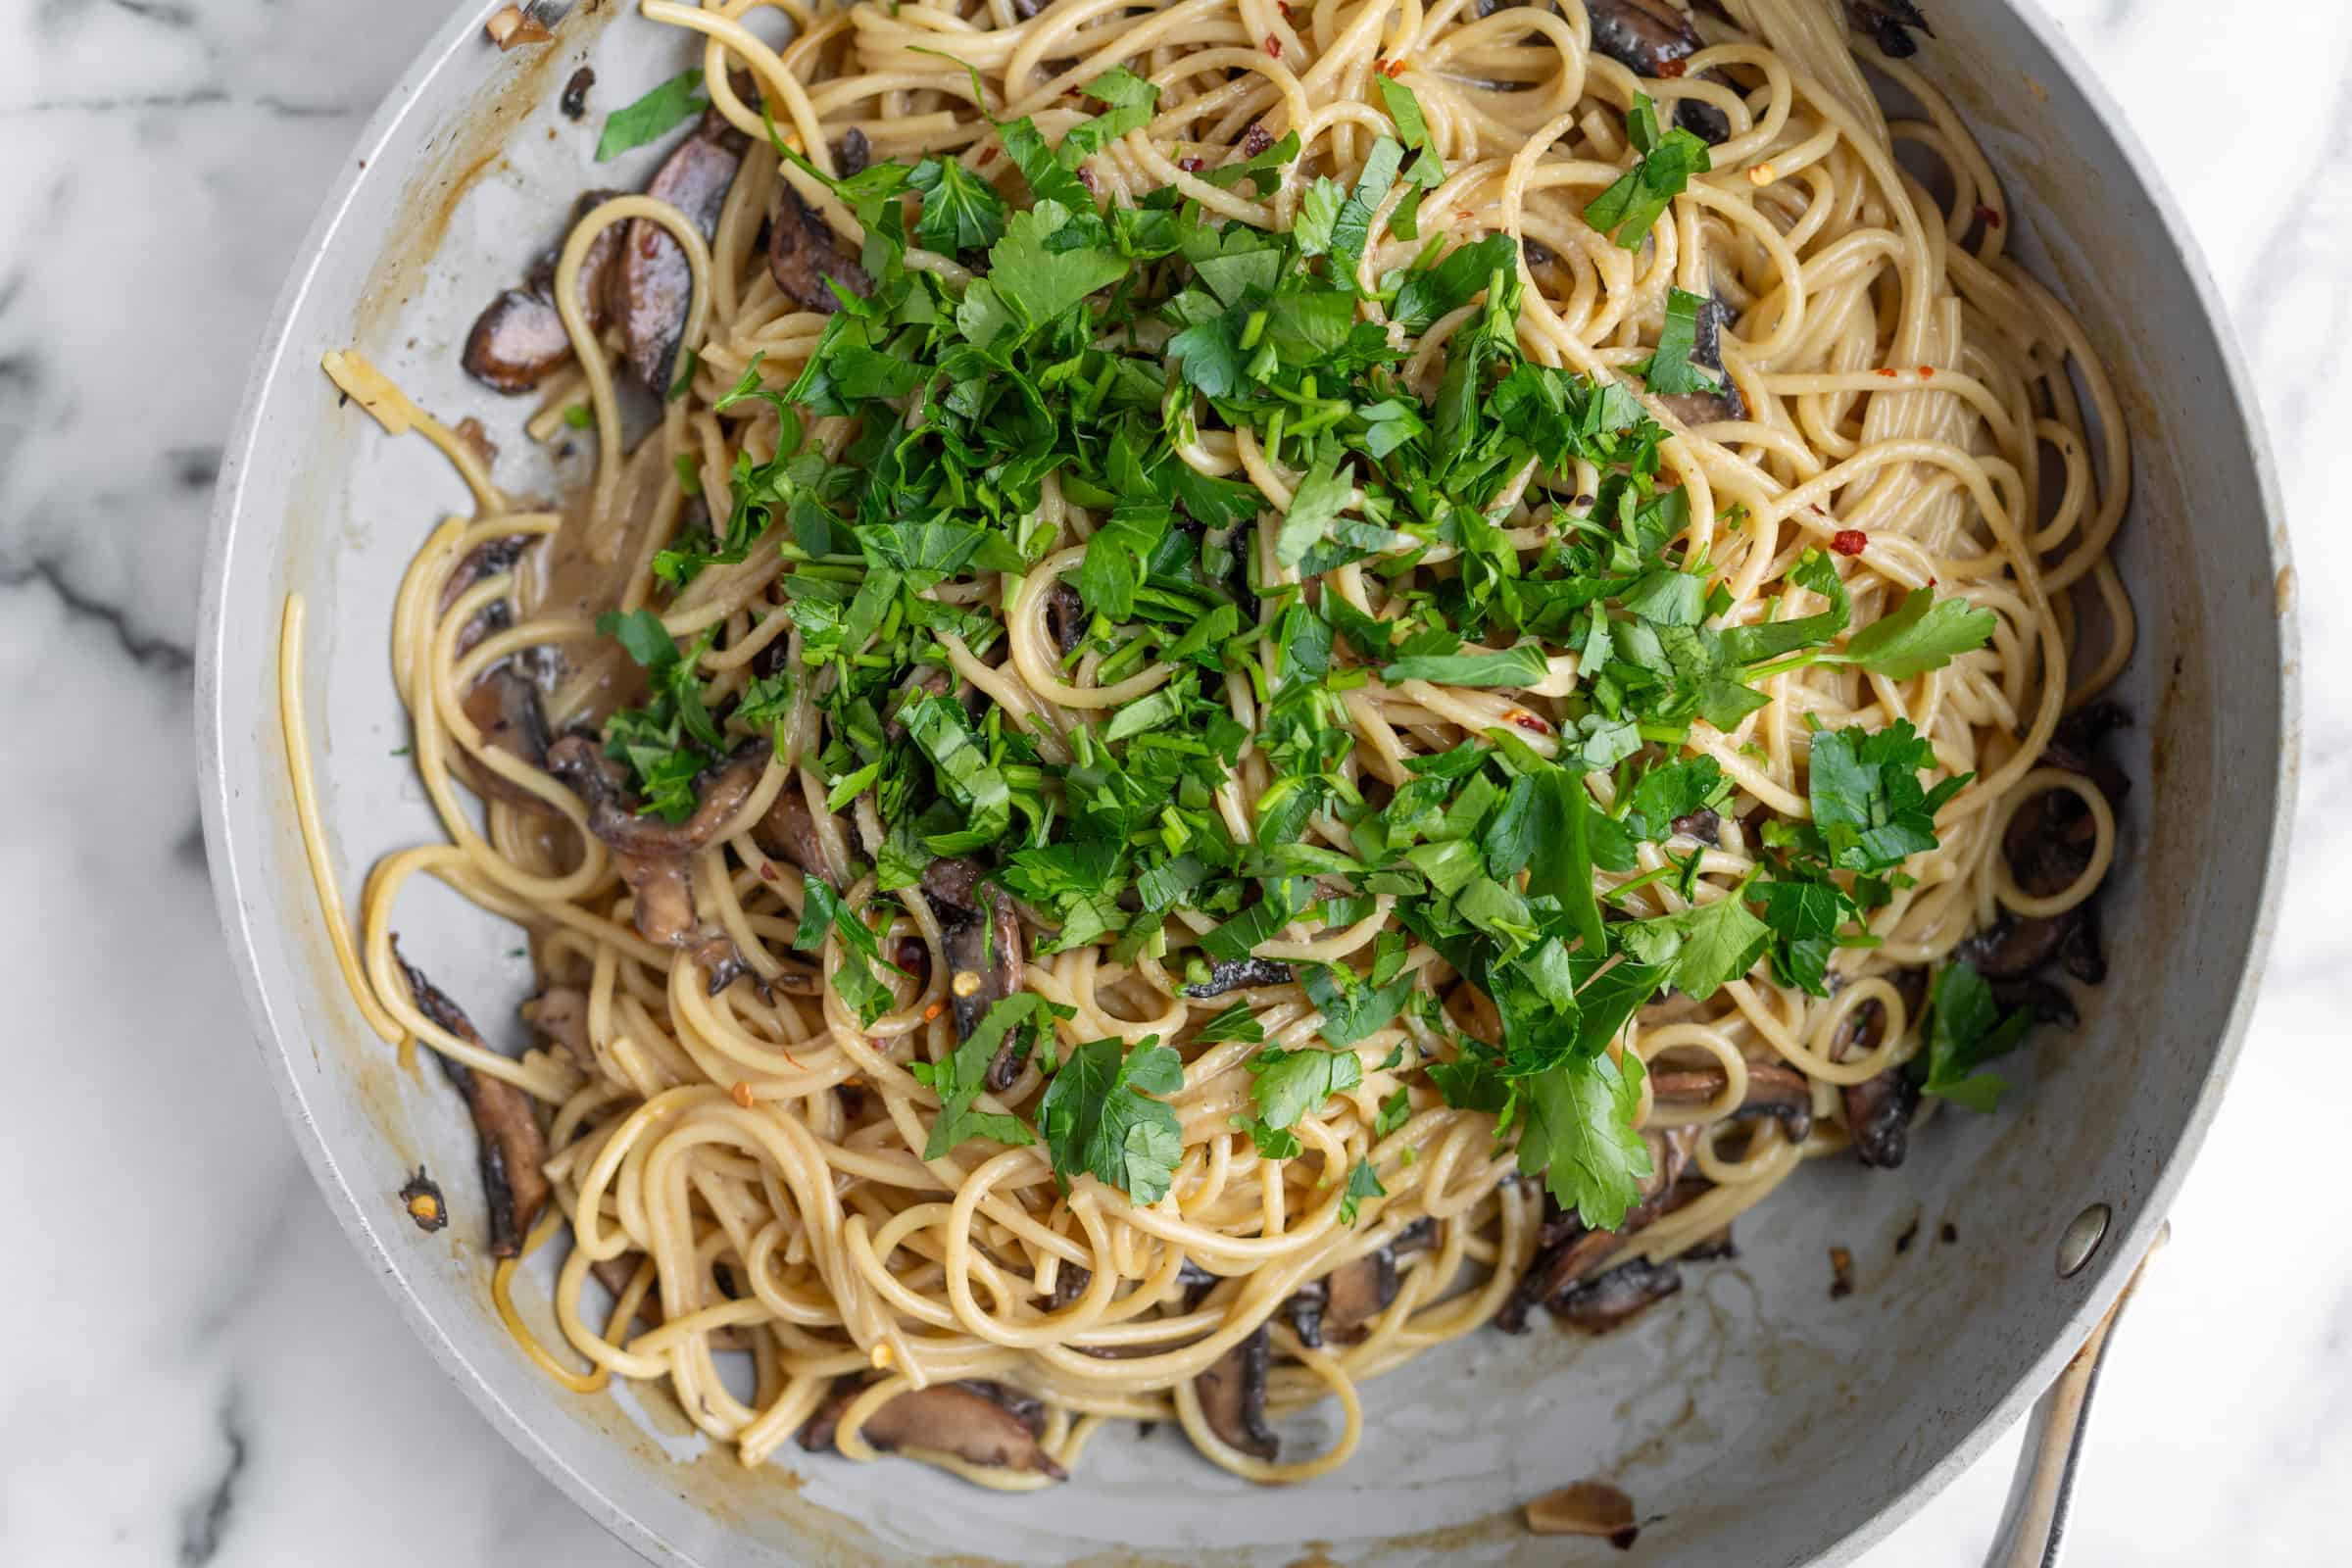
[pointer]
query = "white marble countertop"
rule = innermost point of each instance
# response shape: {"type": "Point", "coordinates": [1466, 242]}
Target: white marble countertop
{"type": "Point", "coordinates": [196, 1368]}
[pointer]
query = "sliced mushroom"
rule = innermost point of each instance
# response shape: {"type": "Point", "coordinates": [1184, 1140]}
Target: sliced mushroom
{"type": "Point", "coordinates": [804, 252]}
{"type": "Point", "coordinates": [614, 1275]}
{"type": "Point", "coordinates": [1707, 352]}
{"type": "Point", "coordinates": [789, 829]}
{"type": "Point", "coordinates": [1702, 825]}
{"type": "Point", "coordinates": [513, 1149]}
{"type": "Point", "coordinates": [520, 340]}
{"type": "Point", "coordinates": [1644, 37]}
{"type": "Point", "coordinates": [561, 1014]}
{"type": "Point", "coordinates": [1889, 24]}
{"type": "Point", "coordinates": [1653, 38]}
{"type": "Point", "coordinates": [1065, 617]}
{"type": "Point", "coordinates": [655, 857]}
{"type": "Point", "coordinates": [1567, 1248]}
{"type": "Point", "coordinates": [1236, 974]}
{"type": "Point", "coordinates": [1599, 1304]}
{"type": "Point", "coordinates": [517, 343]}
{"type": "Point", "coordinates": [2080, 952]}
{"type": "Point", "coordinates": [1304, 1308]}
{"type": "Point", "coordinates": [503, 706]}
{"type": "Point", "coordinates": [1233, 1396]}
{"type": "Point", "coordinates": [1878, 1116]}
{"type": "Point", "coordinates": [1360, 1290]}
{"type": "Point", "coordinates": [651, 284]}
{"type": "Point", "coordinates": [979, 1423]}
{"type": "Point", "coordinates": [1418, 1236]}
{"type": "Point", "coordinates": [982, 934]}
{"type": "Point", "coordinates": [574, 102]}
{"type": "Point", "coordinates": [2079, 745]}
{"type": "Point", "coordinates": [2012, 947]}
{"type": "Point", "coordinates": [852, 154]}
{"type": "Point", "coordinates": [1773, 1090]}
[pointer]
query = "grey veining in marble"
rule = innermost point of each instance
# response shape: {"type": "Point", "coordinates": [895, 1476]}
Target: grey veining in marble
{"type": "Point", "coordinates": [194, 1367]}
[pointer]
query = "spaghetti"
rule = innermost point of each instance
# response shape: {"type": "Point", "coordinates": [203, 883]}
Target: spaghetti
{"type": "Point", "coordinates": [1897, 434]}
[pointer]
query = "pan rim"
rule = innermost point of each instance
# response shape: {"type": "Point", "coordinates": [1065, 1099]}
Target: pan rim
{"type": "Point", "coordinates": [240, 915]}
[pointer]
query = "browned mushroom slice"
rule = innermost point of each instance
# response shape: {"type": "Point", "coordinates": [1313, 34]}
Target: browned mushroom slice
{"type": "Point", "coordinates": [983, 938]}
{"type": "Point", "coordinates": [804, 252]}
{"type": "Point", "coordinates": [1773, 1090]}
{"type": "Point", "coordinates": [1878, 1116]}
{"type": "Point", "coordinates": [503, 706]}
{"type": "Point", "coordinates": [1644, 37]}
{"type": "Point", "coordinates": [788, 830]}
{"type": "Point", "coordinates": [514, 1149]}
{"type": "Point", "coordinates": [1065, 617]}
{"type": "Point", "coordinates": [654, 857]}
{"type": "Point", "coordinates": [1304, 1308]}
{"type": "Point", "coordinates": [2080, 952]}
{"type": "Point", "coordinates": [561, 1014]}
{"type": "Point", "coordinates": [852, 154]}
{"type": "Point", "coordinates": [976, 1422]}
{"type": "Point", "coordinates": [981, 1423]}
{"type": "Point", "coordinates": [2079, 745]}
{"type": "Point", "coordinates": [1360, 1290]}
{"type": "Point", "coordinates": [595, 293]}
{"type": "Point", "coordinates": [1706, 353]}
{"type": "Point", "coordinates": [1418, 1236]}
{"type": "Point", "coordinates": [517, 343]}
{"type": "Point", "coordinates": [1233, 1397]}
{"type": "Point", "coordinates": [1597, 1306]}
{"type": "Point", "coordinates": [1888, 22]}
{"type": "Point", "coordinates": [574, 102]}
{"type": "Point", "coordinates": [1703, 825]}
{"type": "Point", "coordinates": [651, 283]}
{"type": "Point", "coordinates": [1239, 974]}
{"type": "Point", "coordinates": [1567, 1248]}
{"type": "Point", "coordinates": [1653, 38]}
{"type": "Point", "coordinates": [614, 1275]}
{"type": "Point", "coordinates": [2013, 947]}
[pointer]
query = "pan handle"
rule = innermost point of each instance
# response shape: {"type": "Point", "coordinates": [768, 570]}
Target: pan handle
{"type": "Point", "coordinates": [2033, 1533]}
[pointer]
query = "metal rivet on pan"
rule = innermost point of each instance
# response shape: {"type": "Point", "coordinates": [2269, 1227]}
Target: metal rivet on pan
{"type": "Point", "coordinates": [2079, 1243]}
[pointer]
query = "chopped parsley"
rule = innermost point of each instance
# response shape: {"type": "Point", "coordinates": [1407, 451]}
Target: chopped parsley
{"type": "Point", "coordinates": [1089, 349]}
{"type": "Point", "coordinates": [660, 111]}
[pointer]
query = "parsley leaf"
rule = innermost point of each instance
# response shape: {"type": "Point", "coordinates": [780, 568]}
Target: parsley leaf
{"type": "Point", "coordinates": [1668, 370]}
{"type": "Point", "coordinates": [1923, 633]}
{"type": "Point", "coordinates": [1099, 1117]}
{"type": "Point", "coordinates": [662, 109]}
{"type": "Point", "coordinates": [961, 212]}
{"type": "Point", "coordinates": [1363, 1180]}
{"type": "Point", "coordinates": [1032, 280]}
{"type": "Point", "coordinates": [1518, 666]}
{"type": "Point", "coordinates": [1628, 209]}
{"type": "Point", "coordinates": [1580, 1135]}
{"type": "Point", "coordinates": [1869, 810]}
{"type": "Point", "coordinates": [1966, 1029]}
{"type": "Point", "coordinates": [1288, 1084]}
{"type": "Point", "coordinates": [1706, 944]}
{"type": "Point", "coordinates": [959, 1077]}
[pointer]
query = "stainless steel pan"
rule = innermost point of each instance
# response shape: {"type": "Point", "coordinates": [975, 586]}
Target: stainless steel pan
{"type": "Point", "coordinates": [1756, 1419]}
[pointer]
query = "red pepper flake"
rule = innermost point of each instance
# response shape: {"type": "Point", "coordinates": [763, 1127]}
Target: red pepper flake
{"type": "Point", "coordinates": [1849, 541]}
{"type": "Point", "coordinates": [1256, 140]}
{"type": "Point", "coordinates": [988, 155]}
{"type": "Point", "coordinates": [1886, 373]}
{"type": "Point", "coordinates": [1273, 46]}
{"type": "Point", "coordinates": [1927, 371]}
{"type": "Point", "coordinates": [1530, 723]}
{"type": "Point", "coordinates": [1671, 70]}
{"type": "Point", "coordinates": [1189, 164]}
{"type": "Point", "coordinates": [768, 872]}
{"type": "Point", "coordinates": [1283, 6]}
{"type": "Point", "coordinates": [1086, 177]}
{"type": "Point", "coordinates": [1393, 69]}
{"type": "Point", "coordinates": [1990, 216]}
